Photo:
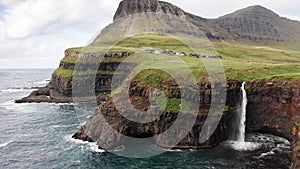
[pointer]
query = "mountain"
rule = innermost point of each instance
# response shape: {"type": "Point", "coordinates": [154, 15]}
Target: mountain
{"type": "Point", "coordinates": [254, 23]}
{"type": "Point", "coordinates": [258, 23]}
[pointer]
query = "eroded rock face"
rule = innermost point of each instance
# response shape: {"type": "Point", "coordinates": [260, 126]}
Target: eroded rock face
{"type": "Point", "coordinates": [45, 94]}
{"type": "Point", "coordinates": [60, 89]}
{"type": "Point", "coordinates": [97, 130]}
{"type": "Point", "coordinates": [295, 155]}
{"type": "Point", "coordinates": [273, 106]}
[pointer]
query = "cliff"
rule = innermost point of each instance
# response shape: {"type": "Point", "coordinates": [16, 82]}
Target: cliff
{"type": "Point", "coordinates": [60, 89]}
{"type": "Point", "coordinates": [272, 76]}
{"type": "Point", "coordinates": [96, 129]}
{"type": "Point", "coordinates": [273, 106]}
{"type": "Point", "coordinates": [295, 155]}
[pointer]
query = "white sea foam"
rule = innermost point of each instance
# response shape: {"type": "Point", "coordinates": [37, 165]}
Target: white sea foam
{"type": "Point", "coordinates": [171, 150]}
{"type": "Point", "coordinates": [271, 152]}
{"type": "Point", "coordinates": [243, 146]}
{"type": "Point", "coordinates": [63, 104]}
{"type": "Point", "coordinates": [5, 144]}
{"type": "Point", "coordinates": [119, 148]}
{"type": "Point", "coordinates": [83, 123]}
{"type": "Point", "coordinates": [64, 126]}
{"type": "Point", "coordinates": [93, 146]}
{"type": "Point", "coordinates": [176, 150]}
{"type": "Point", "coordinates": [44, 82]}
{"type": "Point", "coordinates": [14, 90]}
{"type": "Point", "coordinates": [11, 105]}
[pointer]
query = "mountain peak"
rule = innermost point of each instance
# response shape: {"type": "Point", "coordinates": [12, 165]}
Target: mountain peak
{"type": "Point", "coordinates": [129, 7]}
{"type": "Point", "coordinates": [256, 10]}
{"type": "Point", "coordinates": [255, 7]}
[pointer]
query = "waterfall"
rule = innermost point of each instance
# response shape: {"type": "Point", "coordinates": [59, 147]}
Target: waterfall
{"type": "Point", "coordinates": [239, 143]}
{"type": "Point", "coordinates": [242, 120]}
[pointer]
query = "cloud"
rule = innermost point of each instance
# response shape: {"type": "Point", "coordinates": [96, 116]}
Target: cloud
{"type": "Point", "coordinates": [39, 30]}
{"type": "Point", "coordinates": [27, 17]}
{"type": "Point", "coordinates": [34, 33]}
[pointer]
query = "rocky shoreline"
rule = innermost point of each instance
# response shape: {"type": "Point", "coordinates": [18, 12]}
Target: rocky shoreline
{"type": "Point", "coordinates": [45, 94]}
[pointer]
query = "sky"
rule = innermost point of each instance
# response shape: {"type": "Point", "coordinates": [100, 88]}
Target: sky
{"type": "Point", "coordinates": [35, 33]}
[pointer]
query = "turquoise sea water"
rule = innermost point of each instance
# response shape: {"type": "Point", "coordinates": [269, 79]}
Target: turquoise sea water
{"type": "Point", "coordinates": [39, 136]}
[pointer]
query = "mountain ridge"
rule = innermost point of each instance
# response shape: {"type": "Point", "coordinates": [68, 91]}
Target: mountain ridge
{"type": "Point", "coordinates": [254, 23]}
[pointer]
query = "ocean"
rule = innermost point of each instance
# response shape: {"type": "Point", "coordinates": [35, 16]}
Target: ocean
{"type": "Point", "coordinates": [38, 135]}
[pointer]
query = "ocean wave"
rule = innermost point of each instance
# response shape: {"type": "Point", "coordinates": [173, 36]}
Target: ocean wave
{"type": "Point", "coordinates": [93, 146]}
{"type": "Point", "coordinates": [176, 150]}
{"type": "Point", "coordinates": [14, 90]}
{"type": "Point", "coordinates": [5, 144]}
{"type": "Point", "coordinates": [44, 82]}
{"type": "Point", "coordinates": [64, 126]}
{"type": "Point", "coordinates": [62, 104]}
{"type": "Point", "coordinates": [173, 150]}
{"type": "Point", "coordinates": [11, 105]}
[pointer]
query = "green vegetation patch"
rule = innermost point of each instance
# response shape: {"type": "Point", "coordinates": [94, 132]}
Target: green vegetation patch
{"type": "Point", "coordinates": [66, 74]}
{"type": "Point", "coordinates": [175, 105]}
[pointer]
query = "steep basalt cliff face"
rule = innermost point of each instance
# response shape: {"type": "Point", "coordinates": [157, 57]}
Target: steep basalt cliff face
{"type": "Point", "coordinates": [295, 148]}
{"type": "Point", "coordinates": [273, 106]}
{"type": "Point", "coordinates": [63, 85]}
{"type": "Point", "coordinates": [60, 89]}
{"type": "Point", "coordinates": [96, 129]}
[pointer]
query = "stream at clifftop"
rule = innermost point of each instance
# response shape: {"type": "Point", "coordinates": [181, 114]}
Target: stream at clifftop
{"type": "Point", "coordinates": [38, 135]}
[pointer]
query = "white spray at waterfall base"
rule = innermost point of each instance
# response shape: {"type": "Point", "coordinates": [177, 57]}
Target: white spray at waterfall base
{"type": "Point", "coordinates": [240, 143]}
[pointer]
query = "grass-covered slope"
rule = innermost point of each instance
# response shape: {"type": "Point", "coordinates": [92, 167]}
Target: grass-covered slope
{"type": "Point", "coordinates": [243, 62]}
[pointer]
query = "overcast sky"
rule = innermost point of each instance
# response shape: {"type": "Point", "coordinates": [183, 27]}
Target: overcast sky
{"type": "Point", "coordinates": [35, 33]}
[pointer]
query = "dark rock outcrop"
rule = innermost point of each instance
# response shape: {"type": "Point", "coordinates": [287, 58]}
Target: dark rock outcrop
{"type": "Point", "coordinates": [273, 107]}
{"type": "Point", "coordinates": [295, 148]}
{"type": "Point", "coordinates": [45, 94]}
